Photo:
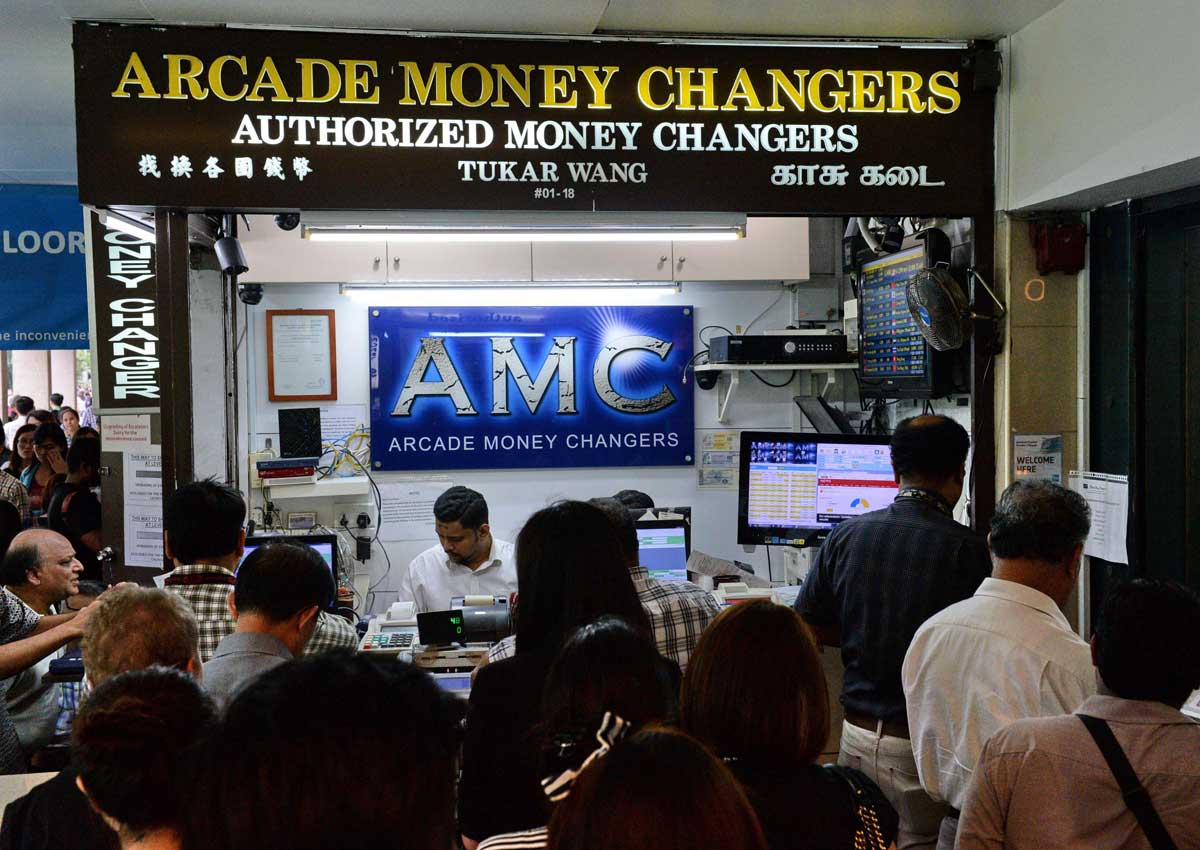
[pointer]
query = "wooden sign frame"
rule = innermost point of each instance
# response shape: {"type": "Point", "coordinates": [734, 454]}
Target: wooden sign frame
{"type": "Point", "coordinates": [281, 388]}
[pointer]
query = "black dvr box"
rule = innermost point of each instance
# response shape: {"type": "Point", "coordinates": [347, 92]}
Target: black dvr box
{"type": "Point", "coordinates": [778, 348]}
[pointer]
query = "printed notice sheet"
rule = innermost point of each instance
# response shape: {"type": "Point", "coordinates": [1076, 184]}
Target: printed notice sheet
{"type": "Point", "coordinates": [1108, 497]}
{"type": "Point", "coordinates": [407, 512]}
{"type": "Point", "coordinates": [143, 508]}
{"type": "Point", "coordinates": [342, 420]}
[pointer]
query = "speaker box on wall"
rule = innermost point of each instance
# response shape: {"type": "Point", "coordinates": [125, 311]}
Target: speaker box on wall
{"type": "Point", "coordinates": [300, 432]}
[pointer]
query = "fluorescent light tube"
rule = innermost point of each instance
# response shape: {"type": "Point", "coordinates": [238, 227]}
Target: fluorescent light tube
{"type": "Point", "coordinates": [506, 296]}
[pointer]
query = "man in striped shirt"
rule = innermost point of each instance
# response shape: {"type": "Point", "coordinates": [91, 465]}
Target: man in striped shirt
{"type": "Point", "coordinates": [205, 540]}
{"type": "Point", "coordinates": [678, 611]}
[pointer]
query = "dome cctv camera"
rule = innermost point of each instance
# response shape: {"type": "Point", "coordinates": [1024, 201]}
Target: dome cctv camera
{"type": "Point", "coordinates": [287, 221]}
{"type": "Point", "coordinates": [250, 293]}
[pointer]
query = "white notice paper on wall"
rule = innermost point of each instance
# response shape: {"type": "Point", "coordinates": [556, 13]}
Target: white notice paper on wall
{"type": "Point", "coordinates": [1108, 497]}
{"type": "Point", "coordinates": [407, 512]}
{"type": "Point", "coordinates": [143, 508]}
{"type": "Point", "coordinates": [341, 420]}
{"type": "Point", "coordinates": [125, 433]}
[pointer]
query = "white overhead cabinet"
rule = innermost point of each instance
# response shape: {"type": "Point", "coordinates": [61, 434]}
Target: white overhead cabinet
{"type": "Point", "coordinates": [602, 261]}
{"type": "Point", "coordinates": [281, 256]}
{"type": "Point", "coordinates": [774, 249]}
{"type": "Point", "coordinates": [413, 262]}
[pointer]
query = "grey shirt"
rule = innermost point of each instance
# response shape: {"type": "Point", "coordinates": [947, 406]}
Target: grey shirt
{"type": "Point", "coordinates": [239, 659]}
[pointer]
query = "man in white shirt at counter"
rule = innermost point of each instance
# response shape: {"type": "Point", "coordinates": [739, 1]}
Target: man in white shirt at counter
{"type": "Point", "coordinates": [467, 560]}
{"type": "Point", "coordinates": [1005, 654]}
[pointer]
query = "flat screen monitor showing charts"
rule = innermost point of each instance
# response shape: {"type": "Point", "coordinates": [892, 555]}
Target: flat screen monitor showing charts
{"type": "Point", "coordinates": [663, 547]}
{"type": "Point", "coordinates": [794, 488]}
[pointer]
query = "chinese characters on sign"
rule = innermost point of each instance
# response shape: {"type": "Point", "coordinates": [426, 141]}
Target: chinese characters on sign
{"type": "Point", "coordinates": [338, 121]}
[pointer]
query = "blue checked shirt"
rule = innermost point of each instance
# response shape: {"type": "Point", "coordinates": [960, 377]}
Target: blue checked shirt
{"type": "Point", "coordinates": [678, 613]}
{"type": "Point", "coordinates": [878, 577]}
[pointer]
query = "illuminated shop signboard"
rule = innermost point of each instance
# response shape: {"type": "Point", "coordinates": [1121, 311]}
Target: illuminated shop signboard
{"type": "Point", "coordinates": [194, 117]}
{"type": "Point", "coordinates": [521, 387]}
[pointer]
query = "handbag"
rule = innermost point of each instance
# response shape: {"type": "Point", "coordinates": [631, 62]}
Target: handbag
{"type": "Point", "coordinates": [877, 819]}
{"type": "Point", "coordinates": [1132, 790]}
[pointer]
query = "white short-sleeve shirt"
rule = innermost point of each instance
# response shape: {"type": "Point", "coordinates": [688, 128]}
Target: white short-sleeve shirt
{"type": "Point", "coordinates": [1005, 654]}
{"type": "Point", "coordinates": [432, 578]}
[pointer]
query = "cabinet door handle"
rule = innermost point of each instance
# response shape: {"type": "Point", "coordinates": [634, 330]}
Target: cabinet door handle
{"type": "Point", "coordinates": [377, 261]}
{"type": "Point", "coordinates": [680, 262]}
{"type": "Point", "coordinates": [395, 263]}
{"type": "Point", "coordinates": [663, 260]}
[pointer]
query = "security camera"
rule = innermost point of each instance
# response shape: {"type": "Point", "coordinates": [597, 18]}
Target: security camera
{"type": "Point", "coordinates": [231, 256]}
{"type": "Point", "coordinates": [250, 293]}
{"type": "Point", "coordinates": [287, 221]}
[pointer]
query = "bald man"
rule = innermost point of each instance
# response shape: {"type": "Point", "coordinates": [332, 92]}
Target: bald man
{"type": "Point", "coordinates": [26, 637]}
{"type": "Point", "coordinates": [44, 585]}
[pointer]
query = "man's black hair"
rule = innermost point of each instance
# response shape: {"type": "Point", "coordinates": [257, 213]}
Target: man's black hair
{"type": "Point", "coordinates": [44, 417]}
{"type": "Point", "coordinates": [82, 452]}
{"type": "Point", "coordinates": [1039, 520]}
{"type": "Point", "coordinates": [1142, 640]}
{"type": "Point", "coordinates": [56, 398]}
{"type": "Point", "coordinates": [462, 505]}
{"type": "Point", "coordinates": [634, 499]}
{"type": "Point", "coordinates": [50, 431]}
{"type": "Point", "coordinates": [92, 589]}
{"type": "Point", "coordinates": [203, 520]}
{"type": "Point", "coordinates": [623, 526]}
{"type": "Point", "coordinates": [19, 562]}
{"type": "Point", "coordinates": [932, 450]}
{"type": "Point", "coordinates": [23, 404]}
{"type": "Point", "coordinates": [280, 579]}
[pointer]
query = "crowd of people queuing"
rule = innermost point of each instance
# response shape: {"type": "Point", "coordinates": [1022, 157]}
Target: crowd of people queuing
{"type": "Point", "coordinates": [226, 710]}
{"type": "Point", "coordinates": [49, 472]}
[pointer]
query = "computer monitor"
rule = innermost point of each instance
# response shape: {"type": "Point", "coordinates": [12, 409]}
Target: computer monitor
{"type": "Point", "coordinates": [894, 360]}
{"type": "Point", "coordinates": [794, 488]}
{"type": "Point", "coordinates": [324, 544]}
{"type": "Point", "coordinates": [663, 548]}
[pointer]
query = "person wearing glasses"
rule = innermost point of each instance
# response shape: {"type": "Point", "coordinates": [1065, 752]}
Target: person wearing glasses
{"type": "Point", "coordinates": [50, 460]}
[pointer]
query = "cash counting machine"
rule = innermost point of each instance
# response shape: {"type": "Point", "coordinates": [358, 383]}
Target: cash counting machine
{"type": "Point", "coordinates": [449, 644]}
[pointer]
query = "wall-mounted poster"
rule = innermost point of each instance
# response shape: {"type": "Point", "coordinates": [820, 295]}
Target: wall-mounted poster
{"type": "Point", "coordinates": [301, 355]}
{"type": "Point", "coordinates": [523, 387]}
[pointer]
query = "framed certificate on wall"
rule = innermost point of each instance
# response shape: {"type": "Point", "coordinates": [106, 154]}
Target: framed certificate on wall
{"type": "Point", "coordinates": [301, 355]}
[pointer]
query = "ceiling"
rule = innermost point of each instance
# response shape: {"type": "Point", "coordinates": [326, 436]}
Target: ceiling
{"type": "Point", "coordinates": [37, 120]}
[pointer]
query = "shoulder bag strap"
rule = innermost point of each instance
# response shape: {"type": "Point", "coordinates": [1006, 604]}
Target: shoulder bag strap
{"type": "Point", "coordinates": [1131, 787]}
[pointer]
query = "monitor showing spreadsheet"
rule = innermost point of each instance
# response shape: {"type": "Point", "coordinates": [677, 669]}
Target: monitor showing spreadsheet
{"type": "Point", "coordinates": [663, 548]}
{"type": "Point", "coordinates": [795, 487]}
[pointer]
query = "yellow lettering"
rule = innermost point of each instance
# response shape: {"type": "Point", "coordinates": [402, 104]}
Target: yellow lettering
{"type": "Point", "coordinates": [308, 81]}
{"type": "Point", "coordinates": [780, 83]}
{"type": "Point", "coordinates": [743, 90]}
{"type": "Point", "coordinates": [556, 87]}
{"type": "Point", "coordinates": [520, 90]}
{"type": "Point", "coordinates": [358, 83]}
{"type": "Point", "coordinates": [599, 86]}
{"type": "Point", "coordinates": [906, 92]}
{"type": "Point", "coordinates": [217, 85]}
{"type": "Point", "coordinates": [864, 91]}
{"type": "Point", "coordinates": [176, 77]}
{"type": "Point", "coordinates": [948, 91]}
{"type": "Point", "coordinates": [135, 74]}
{"type": "Point", "coordinates": [644, 93]}
{"type": "Point", "coordinates": [268, 78]}
{"type": "Point", "coordinates": [486, 85]}
{"type": "Point", "coordinates": [704, 88]}
{"type": "Point", "coordinates": [435, 82]}
{"type": "Point", "coordinates": [816, 96]}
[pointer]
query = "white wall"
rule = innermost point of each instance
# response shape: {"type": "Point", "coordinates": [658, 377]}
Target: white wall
{"type": "Point", "coordinates": [514, 494]}
{"type": "Point", "coordinates": [1104, 104]}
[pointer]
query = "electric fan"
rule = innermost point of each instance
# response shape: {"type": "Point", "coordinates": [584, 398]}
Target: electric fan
{"type": "Point", "coordinates": [940, 309]}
